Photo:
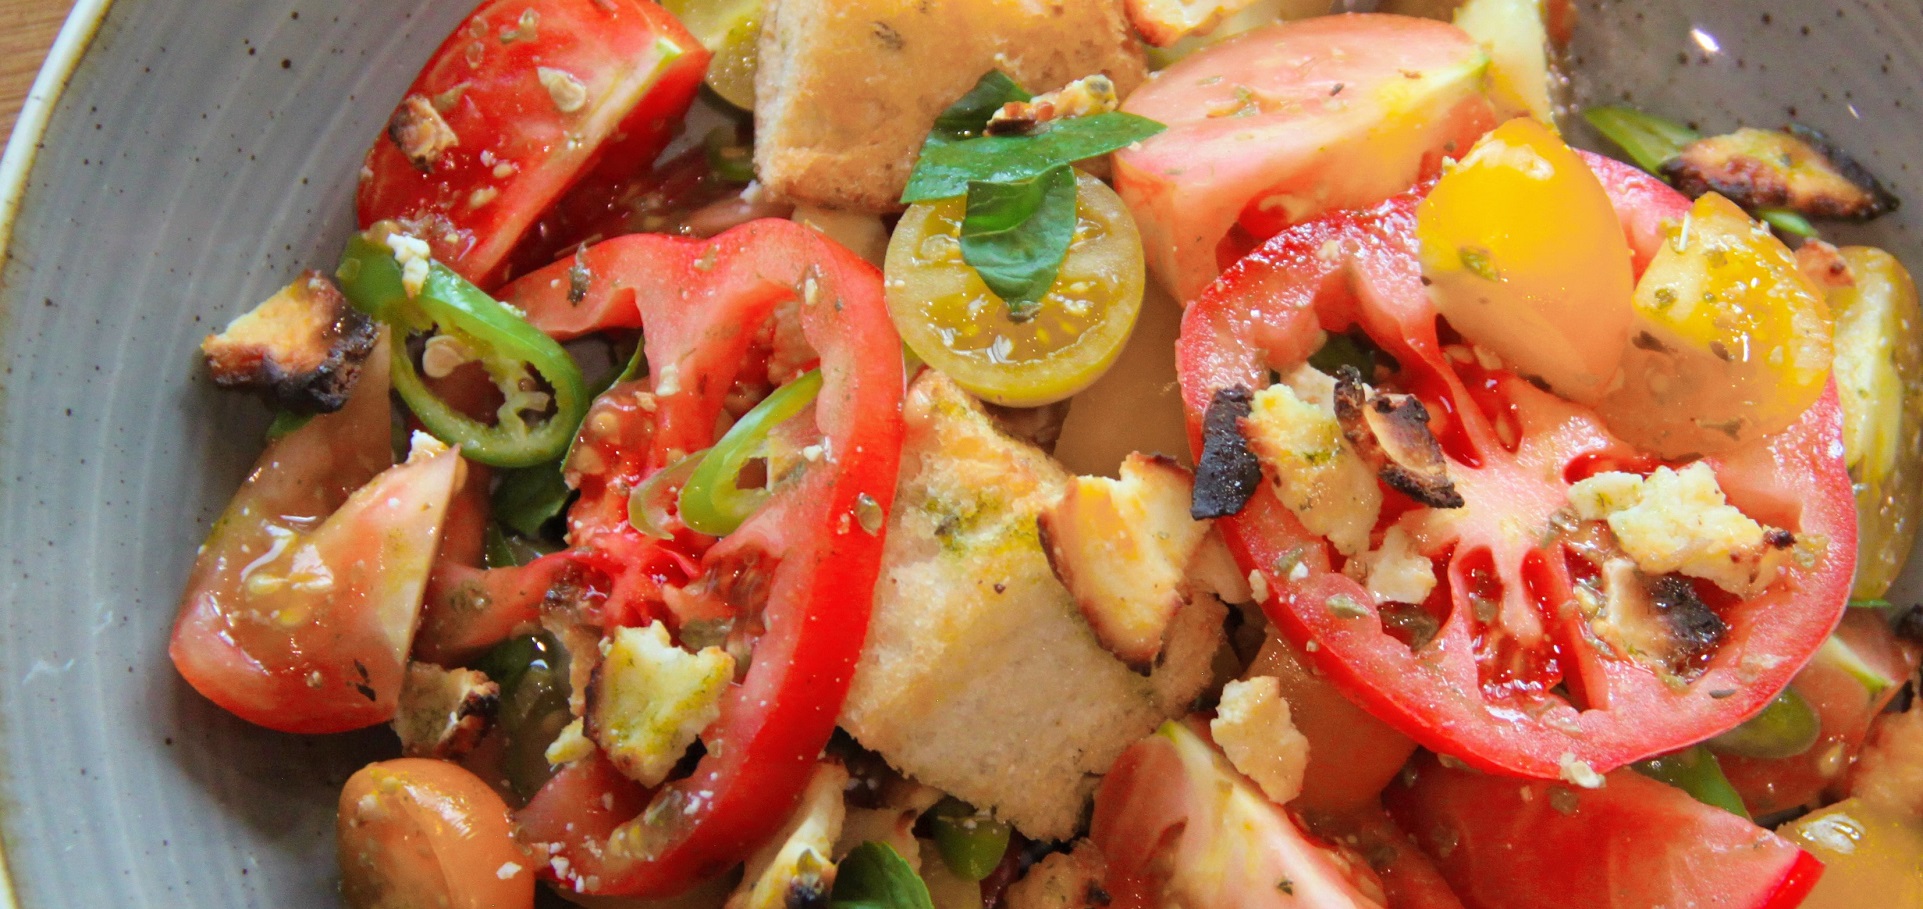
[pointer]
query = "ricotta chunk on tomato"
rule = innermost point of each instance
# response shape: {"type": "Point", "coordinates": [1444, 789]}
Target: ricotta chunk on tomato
{"type": "Point", "coordinates": [1315, 472]}
{"type": "Point", "coordinates": [1253, 726]}
{"type": "Point", "coordinates": [1678, 521]}
{"type": "Point", "coordinates": [794, 867]}
{"type": "Point", "coordinates": [649, 699]}
{"type": "Point", "coordinates": [1396, 572]}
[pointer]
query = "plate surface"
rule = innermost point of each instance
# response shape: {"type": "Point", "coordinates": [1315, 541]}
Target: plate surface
{"type": "Point", "coordinates": [203, 154]}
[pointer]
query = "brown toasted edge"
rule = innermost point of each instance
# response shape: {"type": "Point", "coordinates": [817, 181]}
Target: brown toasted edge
{"type": "Point", "coordinates": [1391, 434]}
{"type": "Point", "coordinates": [1228, 473]}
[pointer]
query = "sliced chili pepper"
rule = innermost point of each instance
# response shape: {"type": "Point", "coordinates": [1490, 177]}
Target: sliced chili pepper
{"type": "Point", "coordinates": [711, 503]}
{"type": "Point", "coordinates": [514, 353]}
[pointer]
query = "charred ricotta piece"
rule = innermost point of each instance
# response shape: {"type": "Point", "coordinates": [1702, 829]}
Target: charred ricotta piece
{"type": "Point", "coordinates": [444, 712]}
{"type": "Point", "coordinates": [1677, 521]}
{"type": "Point", "coordinates": [794, 868]}
{"type": "Point", "coordinates": [1796, 168]}
{"type": "Point", "coordinates": [1317, 474]}
{"type": "Point", "coordinates": [648, 700]}
{"type": "Point", "coordinates": [302, 348]}
{"type": "Point", "coordinates": [1390, 432]}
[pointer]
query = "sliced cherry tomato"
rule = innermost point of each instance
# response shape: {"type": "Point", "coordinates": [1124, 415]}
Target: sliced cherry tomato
{"type": "Point", "coordinates": [300, 609]}
{"type": "Point", "coordinates": [1180, 827]}
{"type": "Point", "coordinates": [1513, 681]}
{"type": "Point", "coordinates": [750, 309]}
{"type": "Point", "coordinates": [1288, 122]}
{"type": "Point", "coordinates": [417, 832]}
{"type": "Point", "coordinates": [523, 100]}
{"type": "Point", "coordinates": [1511, 844]}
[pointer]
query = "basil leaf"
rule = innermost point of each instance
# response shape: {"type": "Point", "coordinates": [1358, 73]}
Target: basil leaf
{"type": "Point", "coordinates": [969, 115]}
{"type": "Point", "coordinates": [946, 168]}
{"type": "Point", "coordinates": [875, 876]}
{"type": "Point", "coordinates": [1017, 234]}
{"type": "Point", "coordinates": [529, 497]}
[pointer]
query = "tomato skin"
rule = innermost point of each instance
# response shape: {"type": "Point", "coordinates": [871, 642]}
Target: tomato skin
{"type": "Point", "coordinates": [301, 606]}
{"type": "Point", "coordinates": [1513, 844]}
{"type": "Point", "coordinates": [1266, 312]}
{"type": "Point", "coordinates": [699, 303]}
{"type": "Point", "coordinates": [418, 832]}
{"type": "Point", "coordinates": [539, 94]}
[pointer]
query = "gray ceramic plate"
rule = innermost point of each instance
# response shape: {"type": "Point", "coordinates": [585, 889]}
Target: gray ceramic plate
{"type": "Point", "coordinates": [201, 153]}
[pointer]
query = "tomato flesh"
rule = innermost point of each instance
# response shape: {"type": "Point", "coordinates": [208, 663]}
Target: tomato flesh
{"type": "Point", "coordinates": [1513, 682]}
{"type": "Point", "coordinates": [809, 556]}
{"type": "Point", "coordinates": [531, 96]}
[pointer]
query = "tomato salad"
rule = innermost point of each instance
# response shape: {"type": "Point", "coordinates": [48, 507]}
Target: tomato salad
{"type": "Point", "coordinates": [692, 519]}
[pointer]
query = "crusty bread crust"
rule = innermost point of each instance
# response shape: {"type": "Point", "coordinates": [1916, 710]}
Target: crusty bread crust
{"type": "Point", "coordinates": [847, 89]}
{"type": "Point", "coordinates": [980, 676]}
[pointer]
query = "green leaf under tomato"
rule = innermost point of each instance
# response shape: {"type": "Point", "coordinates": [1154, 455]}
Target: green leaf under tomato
{"type": "Point", "coordinates": [969, 115]}
{"type": "Point", "coordinates": [946, 168]}
{"type": "Point", "coordinates": [285, 423]}
{"type": "Point", "coordinates": [1787, 221]}
{"type": "Point", "coordinates": [1649, 140]}
{"type": "Point", "coordinates": [528, 498]}
{"type": "Point", "coordinates": [875, 876]}
{"type": "Point", "coordinates": [1016, 235]}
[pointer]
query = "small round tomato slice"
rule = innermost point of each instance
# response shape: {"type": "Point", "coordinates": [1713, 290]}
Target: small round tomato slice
{"type": "Point", "coordinates": [1514, 680]}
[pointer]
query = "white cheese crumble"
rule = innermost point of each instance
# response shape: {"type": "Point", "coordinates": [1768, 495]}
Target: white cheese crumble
{"type": "Point", "coordinates": [414, 256]}
{"type": "Point", "coordinates": [1254, 728]}
{"type": "Point", "coordinates": [1679, 521]}
{"type": "Point", "coordinates": [1315, 473]}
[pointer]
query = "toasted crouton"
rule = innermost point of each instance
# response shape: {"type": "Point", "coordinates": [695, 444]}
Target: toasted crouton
{"type": "Point", "coordinates": [1121, 548]}
{"type": "Point", "coordinates": [1063, 880]}
{"type": "Point", "coordinates": [980, 676]}
{"type": "Point", "coordinates": [1164, 22]}
{"type": "Point", "coordinates": [1797, 168]}
{"type": "Point", "coordinates": [648, 700]}
{"type": "Point", "coordinates": [444, 712]}
{"type": "Point", "coordinates": [303, 347]}
{"type": "Point", "coordinates": [848, 89]}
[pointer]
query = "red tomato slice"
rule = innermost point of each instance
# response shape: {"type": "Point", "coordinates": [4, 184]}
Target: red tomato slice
{"type": "Point", "coordinates": [523, 100]}
{"type": "Point", "coordinates": [1522, 687]}
{"type": "Point", "coordinates": [1179, 826]}
{"type": "Point", "coordinates": [1283, 124]}
{"type": "Point", "coordinates": [1633, 844]}
{"type": "Point", "coordinates": [754, 306]}
{"type": "Point", "coordinates": [301, 606]}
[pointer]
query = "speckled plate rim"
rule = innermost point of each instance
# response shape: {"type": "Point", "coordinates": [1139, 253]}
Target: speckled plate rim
{"type": "Point", "coordinates": [69, 46]}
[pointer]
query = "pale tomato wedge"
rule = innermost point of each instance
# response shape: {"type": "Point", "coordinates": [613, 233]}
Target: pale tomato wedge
{"type": "Point", "coordinates": [300, 609]}
{"type": "Point", "coordinates": [1180, 827]}
{"type": "Point", "coordinates": [525, 99]}
{"type": "Point", "coordinates": [418, 832]}
{"type": "Point", "coordinates": [1282, 124]}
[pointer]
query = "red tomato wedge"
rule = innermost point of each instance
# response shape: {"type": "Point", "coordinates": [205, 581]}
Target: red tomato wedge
{"type": "Point", "coordinates": [1514, 682]}
{"type": "Point", "coordinates": [1179, 826]}
{"type": "Point", "coordinates": [753, 307]}
{"type": "Point", "coordinates": [1282, 124]}
{"type": "Point", "coordinates": [1633, 844]}
{"type": "Point", "coordinates": [523, 100]}
{"type": "Point", "coordinates": [300, 609]}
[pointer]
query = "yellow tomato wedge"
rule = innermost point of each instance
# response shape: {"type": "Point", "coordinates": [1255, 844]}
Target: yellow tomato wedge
{"type": "Point", "coordinates": [1879, 375]}
{"type": "Point", "coordinates": [1515, 35]}
{"type": "Point", "coordinates": [1869, 856]}
{"type": "Point", "coordinates": [1731, 341]}
{"type": "Point", "coordinates": [1526, 258]}
{"type": "Point", "coordinates": [731, 29]}
{"type": "Point", "coordinates": [950, 319]}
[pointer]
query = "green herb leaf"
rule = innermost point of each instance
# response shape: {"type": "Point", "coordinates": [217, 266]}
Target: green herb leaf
{"type": "Point", "coordinates": [1788, 222]}
{"type": "Point", "coordinates": [1649, 140]}
{"type": "Point", "coordinates": [969, 115]}
{"type": "Point", "coordinates": [1016, 235]}
{"type": "Point", "coordinates": [875, 876]}
{"type": "Point", "coordinates": [947, 167]}
{"type": "Point", "coordinates": [529, 497]}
